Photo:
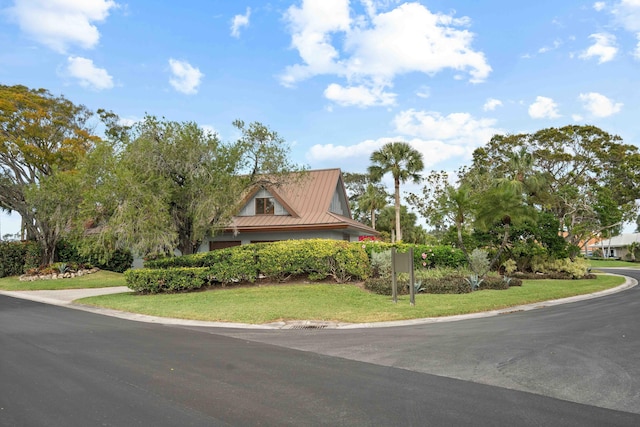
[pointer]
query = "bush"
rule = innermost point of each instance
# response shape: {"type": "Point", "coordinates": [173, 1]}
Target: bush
{"type": "Point", "coordinates": [425, 256]}
{"type": "Point", "coordinates": [167, 280]}
{"type": "Point", "coordinates": [495, 283]}
{"type": "Point", "coordinates": [316, 259]}
{"type": "Point", "coordinates": [446, 285]}
{"type": "Point", "coordinates": [381, 264]}
{"type": "Point", "coordinates": [18, 257]}
{"type": "Point", "coordinates": [560, 267]}
{"type": "Point", "coordinates": [12, 255]}
{"type": "Point", "coordinates": [379, 285]}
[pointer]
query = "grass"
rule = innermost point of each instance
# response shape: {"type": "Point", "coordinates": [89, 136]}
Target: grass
{"type": "Point", "coordinates": [341, 303]}
{"type": "Point", "coordinates": [604, 263]}
{"type": "Point", "coordinates": [101, 279]}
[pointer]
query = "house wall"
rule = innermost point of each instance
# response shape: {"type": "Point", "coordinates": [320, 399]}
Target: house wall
{"type": "Point", "coordinates": [339, 203]}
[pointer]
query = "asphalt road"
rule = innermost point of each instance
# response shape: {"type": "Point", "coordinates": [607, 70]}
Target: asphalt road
{"type": "Point", "coordinates": [61, 367]}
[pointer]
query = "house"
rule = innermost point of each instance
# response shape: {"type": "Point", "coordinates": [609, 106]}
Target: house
{"type": "Point", "coordinates": [617, 246]}
{"type": "Point", "coordinates": [309, 205]}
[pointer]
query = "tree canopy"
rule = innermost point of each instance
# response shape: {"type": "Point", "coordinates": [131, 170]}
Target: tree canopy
{"type": "Point", "coordinates": [41, 135]}
{"type": "Point", "coordinates": [404, 163]}
{"type": "Point", "coordinates": [167, 184]}
{"type": "Point", "coordinates": [586, 177]}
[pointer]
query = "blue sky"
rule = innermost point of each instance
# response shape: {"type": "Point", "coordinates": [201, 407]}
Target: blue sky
{"type": "Point", "coordinates": [338, 78]}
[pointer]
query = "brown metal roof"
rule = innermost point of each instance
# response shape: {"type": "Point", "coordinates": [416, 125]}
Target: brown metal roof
{"type": "Point", "coordinates": [308, 194]}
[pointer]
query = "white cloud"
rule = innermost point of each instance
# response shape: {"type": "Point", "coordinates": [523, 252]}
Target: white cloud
{"type": "Point", "coordinates": [603, 48]}
{"type": "Point", "coordinates": [556, 44]}
{"type": "Point", "coordinates": [439, 138]}
{"type": "Point", "coordinates": [577, 117]}
{"type": "Point", "coordinates": [543, 108]}
{"type": "Point", "coordinates": [627, 14]}
{"type": "Point", "coordinates": [186, 78]}
{"type": "Point", "coordinates": [599, 105]}
{"type": "Point", "coordinates": [240, 21]}
{"type": "Point", "coordinates": [433, 151]}
{"type": "Point", "coordinates": [491, 104]}
{"type": "Point", "coordinates": [380, 46]}
{"type": "Point", "coordinates": [60, 24]}
{"type": "Point", "coordinates": [455, 128]}
{"type": "Point", "coordinates": [599, 5]}
{"type": "Point", "coordinates": [88, 74]}
{"type": "Point", "coordinates": [360, 96]}
{"type": "Point", "coordinates": [128, 121]}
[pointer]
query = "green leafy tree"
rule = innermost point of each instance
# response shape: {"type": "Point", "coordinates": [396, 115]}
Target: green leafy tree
{"type": "Point", "coordinates": [355, 185]}
{"type": "Point", "coordinates": [41, 136]}
{"type": "Point", "coordinates": [373, 200]}
{"type": "Point", "coordinates": [404, 163]}
{"type": "Point", "coordinates": [571, 165]}
{"type": "Point", "coordinates": [163, 184]}
{"type": "Point", "coordinates": [413, 232]}
{"type": "Point", "coordinates": [492, 208]}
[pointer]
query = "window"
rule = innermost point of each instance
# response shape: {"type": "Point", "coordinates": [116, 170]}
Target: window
{"type": "Point", "coordinates": [264, 206]}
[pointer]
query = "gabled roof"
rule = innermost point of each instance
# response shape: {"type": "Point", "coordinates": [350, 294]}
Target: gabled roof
{"type": "Point", "coordinates": [307, 196]}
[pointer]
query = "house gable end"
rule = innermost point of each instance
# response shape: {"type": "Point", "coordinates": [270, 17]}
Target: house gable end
{"type": "Point", "coordinates": [339, 204]}
{"type": "Point", "coordinates": [275, 202]}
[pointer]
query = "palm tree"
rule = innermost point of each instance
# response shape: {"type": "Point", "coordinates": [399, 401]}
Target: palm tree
{"type": "Point", "coordinates": [373, 199]}
{"type": "Point", "coordinates": [404, 163]}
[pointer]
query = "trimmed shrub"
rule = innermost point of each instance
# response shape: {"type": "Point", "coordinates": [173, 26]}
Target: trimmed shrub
{"type": "Point", "coordinates": [495, 283]}
{"type": "Point", "coordinates": [379, 285]}
{"type": "Point", "coordinates": [18, 257]}
{"type": "Point", "coordinates": [148, 281]}
{"type": "Point", "coordinates": [12, 255]}
{"type": "Point", "coordinates": [316, 258]}
{"type": "Point", "coordinates": [446, 285]}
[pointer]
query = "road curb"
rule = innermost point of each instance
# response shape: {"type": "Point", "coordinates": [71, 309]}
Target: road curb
{"type": "Point", "coordinates": [48, 297]}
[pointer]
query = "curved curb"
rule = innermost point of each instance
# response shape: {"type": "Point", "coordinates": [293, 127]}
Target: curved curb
{"type": "Point", "coordinates": [54, 298]}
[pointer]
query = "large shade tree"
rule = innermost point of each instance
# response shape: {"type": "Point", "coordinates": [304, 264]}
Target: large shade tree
{"type": "Point", "coordinates": [404, 163]}
{"type": "Point", "coordinates": [586, 177]}
{"type": "Point", "coordinates": [164, 184]}
{"type": "Point", "coordinates": [41, 136]}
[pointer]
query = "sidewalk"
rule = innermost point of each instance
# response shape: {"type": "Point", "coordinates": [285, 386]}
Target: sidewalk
{"type": "Point", "coordinates": [67, 296]}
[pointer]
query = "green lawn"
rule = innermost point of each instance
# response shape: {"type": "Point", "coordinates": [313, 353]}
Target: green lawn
{"type": "Point", "coordinates": [604, 263]}
{"type": "Point", "coordinates": [342, 303]}
{"type": "Point", "coordinates": [101, 279]}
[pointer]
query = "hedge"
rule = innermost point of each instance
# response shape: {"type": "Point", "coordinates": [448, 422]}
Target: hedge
{"type": "Point", "coordinates": [168, 280]}
{"type": "Point", "coordinates": [17, 257]}
{"type": "Point", "coordinates": [316, 259]}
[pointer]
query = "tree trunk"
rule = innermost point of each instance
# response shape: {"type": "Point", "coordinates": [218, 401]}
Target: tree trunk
{"type": "Point", "coordinates": [397, 197]}
{"type": "Point", "coordinates": [373, 219]}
